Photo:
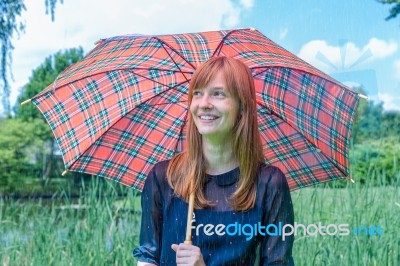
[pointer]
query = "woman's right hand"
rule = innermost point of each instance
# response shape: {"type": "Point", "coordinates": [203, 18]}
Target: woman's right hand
{"type": "Point", "coordinates": [188, 255]}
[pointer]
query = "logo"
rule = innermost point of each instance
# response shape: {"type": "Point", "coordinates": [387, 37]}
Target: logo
{"type": "Point", "coordinates": [345, 72]}
{"type": "Point", "coordinates": [283, 230]}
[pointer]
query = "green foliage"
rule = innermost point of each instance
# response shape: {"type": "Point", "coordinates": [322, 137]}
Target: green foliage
{"type": "Point", "coordinates": [372, 122]}
{"type": "Point", "coordinates": [357, 205]}
{"type": "Point", "coordinates": [26, 142]}
{"type": "Point", "coordinates": [390, 125]}
{"type": "Point", "coordinates": [376, 144]}
{"type": "Point", "coordinates": [377, 161]}
{"type": "Point", "coordinates": [97, 228]}
{"type": "Point", "coordinates": [51, 6]}
{"type": "Point", "coordinates": [367, 122]}
{"type": "Point", "coordinates": [11, 24]}
{"type": "Point", "coordinates": [43, 76]}
{"type": "Point", "coordinates": [103, 230]}
{"type": "Point", "coordinates": [394, 10]}
{"type": "Point", "coordinates": [21, 150]}
{"type": "Point", "coordinates": [36, 158]}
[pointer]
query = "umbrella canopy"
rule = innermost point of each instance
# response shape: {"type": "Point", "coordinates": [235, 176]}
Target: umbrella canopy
{"type": "Point", "coordinates": [124, 106]}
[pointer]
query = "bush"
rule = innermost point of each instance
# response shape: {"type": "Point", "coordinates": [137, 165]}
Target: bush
{"type": "Point", "coordinates": [378, 160]}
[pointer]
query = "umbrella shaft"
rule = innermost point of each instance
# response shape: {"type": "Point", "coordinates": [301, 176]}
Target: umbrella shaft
{"type": "Point", "coordinates": [188, 239]}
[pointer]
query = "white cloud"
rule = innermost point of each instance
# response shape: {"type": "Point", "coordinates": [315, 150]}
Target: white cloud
{"type": "Point", "coordinates": [390, 102]}
{"type": "Point", "coordinates": [82, 23]}
{"type": "Point", "coordinates": [380, 48]}
{"type": "Point", "coordinates": [328, 57]}
{"type": "Point", "coordinates": [247, 3]}
{"type": "Point", "coordinates": [231, 17]}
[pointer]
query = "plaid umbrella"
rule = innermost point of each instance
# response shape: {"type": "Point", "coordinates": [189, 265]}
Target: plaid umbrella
{"type": "Point", "coordinates": [124, 106]}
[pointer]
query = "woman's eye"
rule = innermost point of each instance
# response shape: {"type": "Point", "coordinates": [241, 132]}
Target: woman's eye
{"type": "Point", "coordinates": [196, 93]}
{"type": "Point", "coordinates": [219, 93]}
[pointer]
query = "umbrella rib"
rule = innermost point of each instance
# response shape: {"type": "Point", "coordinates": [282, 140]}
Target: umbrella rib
{"type": "Point", "coordinates": [266, 68]}
{"type": "Point", "coordinates": [159, 69]}
{"type": "Point", "coordinates": [159, 82]}
{"type": "Point", "coordinates": [338, 83]}
{"type": "Point", "coordinates": [305, 71]}
{"type": "Point", "coordinates": [219, 47]}
{"type": "Point", "coordinates": [180, 132]}
{"type": "Point", "coordinates": [154, 82]}
{"type": "Point", "coordinates": [157, 104]}
{"type": "Point", "coordinates": [82, 153]}
{"type": "Point", "coordinates": [122, 69]}
{"type": "Point", "coordinates": [163, 44]}
{"type": "Point", "coordinates": [271, 112]}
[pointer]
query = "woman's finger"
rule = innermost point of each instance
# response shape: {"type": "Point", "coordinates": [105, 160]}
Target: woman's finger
{"type": "Point", "coordinates": [183, 246]}
{"type": "Point", "coordinates": [174, 247]}
{"type": "Point", "coordinates": [187, 254]}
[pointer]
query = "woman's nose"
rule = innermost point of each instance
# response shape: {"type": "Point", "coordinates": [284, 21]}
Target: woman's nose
{"type": "Point", "coordinates": [205, 102]}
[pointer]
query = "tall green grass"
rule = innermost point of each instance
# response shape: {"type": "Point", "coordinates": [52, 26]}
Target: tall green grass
{"type": "Point", "coordinates": [98, 228]}
{"type": "Point", "coordinates": [356, 206]}
{"type": "Point", "coordinates": [101, 228]}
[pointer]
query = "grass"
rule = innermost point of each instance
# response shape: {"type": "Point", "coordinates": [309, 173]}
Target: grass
{"type": "Point", "coordinates": [103, 230]}
{"type": "Point", "coordinates": [91, 230]}
{"type": "Point", "coordinates": [356, 206]}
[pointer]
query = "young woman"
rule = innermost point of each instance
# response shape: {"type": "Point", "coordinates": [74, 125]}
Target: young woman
{"type": "Point", "coordinates": [240, 202]}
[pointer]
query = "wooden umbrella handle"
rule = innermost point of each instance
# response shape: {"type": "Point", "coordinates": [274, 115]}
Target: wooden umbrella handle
{"type": "Point", "coordinates": [188, 239]}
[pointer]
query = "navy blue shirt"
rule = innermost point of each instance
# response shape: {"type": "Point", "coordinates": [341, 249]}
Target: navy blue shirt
{"type": "Point", "coordinates": [224, 236]}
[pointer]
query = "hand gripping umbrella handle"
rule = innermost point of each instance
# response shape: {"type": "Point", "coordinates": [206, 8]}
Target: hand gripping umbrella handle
{"type": "Point", "coordinates": [188, 239]}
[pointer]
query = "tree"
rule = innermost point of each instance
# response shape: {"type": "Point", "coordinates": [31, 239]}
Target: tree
{"type": "Point", "coordinates": [372, 122]}
{"type": "Point", "coordinates": [43, 76]}
{"type": "Point", "coordinates": [367, 121]}
{"type": "Point", "coordinates": [11, 25]}
{"type": "Point", "coordinates": [21, 149]}
{"type": "Point", "coordinates": [395, 10]}
{"type": "Point", "coordinates": [391, 123]}
{"type": "Point", "coordinates": [376, 143]}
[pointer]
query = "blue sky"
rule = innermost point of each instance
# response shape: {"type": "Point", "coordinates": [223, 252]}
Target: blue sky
{"type": "Point", "coordinates": [349, 40]}
{"type": "Point", "coordinates": [369, 44]}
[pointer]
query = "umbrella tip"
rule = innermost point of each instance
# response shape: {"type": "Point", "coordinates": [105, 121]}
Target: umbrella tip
{"type": "Point", "coordinates": [26, 101]}
{"type": "Point", "coordinates": [63, 173]}
{"type": "Point", "coordinates": [363, 96]}
{"type": "Point", "coordinates": [252, 29]}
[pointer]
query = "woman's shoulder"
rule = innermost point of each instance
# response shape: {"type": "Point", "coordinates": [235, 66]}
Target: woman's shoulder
{"type": "Point", "coordinates": [158, 173]}
{"type": "Point", "coordinates": [271, 175]}
{"type": "Point", "coordinates": [160, 168]}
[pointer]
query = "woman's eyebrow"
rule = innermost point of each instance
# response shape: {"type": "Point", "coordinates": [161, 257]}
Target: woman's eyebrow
{"type": "Point", "coordinates": [217, 88]}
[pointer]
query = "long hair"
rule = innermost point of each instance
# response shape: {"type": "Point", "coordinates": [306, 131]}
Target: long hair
{"type": "Point", "coordinates": [189, 167]}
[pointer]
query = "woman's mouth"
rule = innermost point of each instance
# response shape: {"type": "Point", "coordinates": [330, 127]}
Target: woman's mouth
{"type": "Point", "coordinates": [208, 117]}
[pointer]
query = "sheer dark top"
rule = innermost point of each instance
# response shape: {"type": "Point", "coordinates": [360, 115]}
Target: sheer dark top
{"type": "Point", "coordinates": [164, 221]}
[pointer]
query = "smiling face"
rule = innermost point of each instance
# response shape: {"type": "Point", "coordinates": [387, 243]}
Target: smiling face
{"type": "Point", "coordinates": [214, 109]}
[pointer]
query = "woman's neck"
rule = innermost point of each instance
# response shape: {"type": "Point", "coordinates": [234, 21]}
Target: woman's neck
{"type": "Point", "coordinates": [219, 157]}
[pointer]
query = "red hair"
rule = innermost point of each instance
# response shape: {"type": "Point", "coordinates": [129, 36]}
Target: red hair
{"type": "Point", "coordinates": [189, 167]}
